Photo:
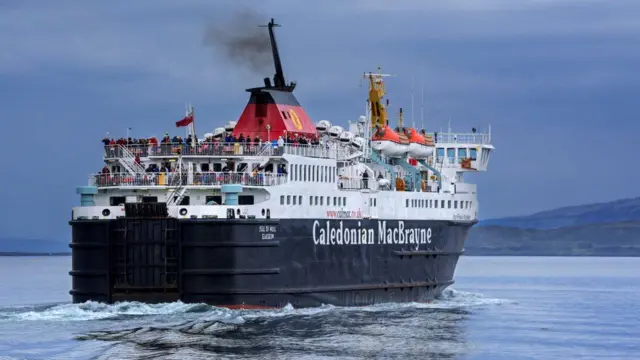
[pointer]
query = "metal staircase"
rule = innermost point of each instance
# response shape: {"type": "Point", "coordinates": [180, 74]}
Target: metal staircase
{"type": "Point", "coordinates": [178, 185]}
{"type": "Point", "coordinates": [375, 157]}
{"type": "Point", "coordinates": [128, 161]}
{"type": "Point", "coordinates": [412, 174]}
{"type": "Point", "coordinates": [178, 192]}
{"type": "Point", "coordinates": [434, 170]}
{"type": "Point", "coordinates": [266, 150]}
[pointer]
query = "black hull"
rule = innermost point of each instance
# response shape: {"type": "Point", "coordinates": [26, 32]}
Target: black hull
{"type": "Point", "coordinates": [254, 263]}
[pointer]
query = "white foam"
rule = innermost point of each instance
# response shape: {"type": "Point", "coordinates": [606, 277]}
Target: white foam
{"type": "Point", "coordinates": [450, 299]}
{"type": "Point", "coordinates": [97, 311]}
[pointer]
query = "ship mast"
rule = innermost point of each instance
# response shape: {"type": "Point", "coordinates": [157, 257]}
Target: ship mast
{"type": "Point", "coordinates": [376, 93]}
{"type": "Point", "coordinates": [278, 79]}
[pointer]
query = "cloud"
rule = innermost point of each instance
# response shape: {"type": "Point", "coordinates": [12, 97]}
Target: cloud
{"type": "Point", "coordinates": [556, 79]}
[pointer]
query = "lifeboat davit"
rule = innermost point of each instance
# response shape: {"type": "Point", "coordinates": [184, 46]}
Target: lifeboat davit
{"type": "Point", "coordinates": [389, 142]}
{"type": "Point", "coordinates": [418, 146]}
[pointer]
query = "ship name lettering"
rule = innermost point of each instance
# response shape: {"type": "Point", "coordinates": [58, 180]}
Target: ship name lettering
{"type": "Point", "coordinates": [343, 235]}
{"type": "Point", "coordinates": [267, 232]}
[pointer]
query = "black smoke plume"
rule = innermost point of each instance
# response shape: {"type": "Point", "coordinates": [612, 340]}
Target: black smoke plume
{"type": "Point", "coordinates": [239, 39]}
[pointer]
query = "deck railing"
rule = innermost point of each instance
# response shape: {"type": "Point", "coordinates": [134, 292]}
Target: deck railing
{"type": "Point", "coordinates": [196, 179]}
{"type": "Point", "coordinates": [226, 149]}
{"type": "Point", "coordinates": [462, 138]}
{"type": "Point", "coordinates": [175, 149]}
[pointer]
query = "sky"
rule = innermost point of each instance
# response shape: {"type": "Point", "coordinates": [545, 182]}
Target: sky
{"type": "Point", "coordinates": [558, 81]}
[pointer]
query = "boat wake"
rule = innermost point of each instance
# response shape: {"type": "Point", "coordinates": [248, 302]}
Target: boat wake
{"type": "Point", "coordinates": [182, 331]}
{"type": "Point", "coordinates": [450, 299]}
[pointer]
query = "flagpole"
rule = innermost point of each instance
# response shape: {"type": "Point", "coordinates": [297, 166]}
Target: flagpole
{"type": "Point", "coordinates": [193, 126]}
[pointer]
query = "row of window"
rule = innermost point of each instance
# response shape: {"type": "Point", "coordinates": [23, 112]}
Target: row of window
{"type": "Point", "coordinates": [425, 203]}
{"type": "Point", "coordinates": [462, 154]}
{"type": "Point", "coordinates": [313, 173]}
{"type": "Point", "coordinates": [313, 200]}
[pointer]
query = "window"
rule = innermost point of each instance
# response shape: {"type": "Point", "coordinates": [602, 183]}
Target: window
{"type": "Point", "coordinates": [316, 200]}
{"type": "Point", "coordinates": [304, 172]}
{"type": "Point", "coordinates": [313, 172]}
{"type": "Point", "coordinates": [294, 200]}
{"type": "Point", "coordinates": [185, 200]}
{"type": "Point", "coordinates": [407, 202]}
{"type": "Point", "coordinates": [328, 201]}
{"type": "Point", "coordinates": [310, 200]}
{"type": "Point", "coordinates": [245, 200]}
{"type": "Point", "coordinates": [449, 204]}
{"type": "Point", "coordinates": [344, 201]}
{"type": "Point", "coordinates": [436, 204]}
{"type": "Point", "coordinates": [472, 154]}
{"type": "Point", "coordinates": [442, 204]}
{"type": "Point", "coordinates": [335, 201]}
{"type": "Point", "coordinates": [117, 200]}
{"type": "Point", "coordinates": [455, 204]}
{"type": "Point", "coordinates": [300, 200]}
{"type": "Point", "coordinates": [281, 199]}
{"type": "Point", "coordinates": [462, 153]}
{"type": "Point", "coordinates": [451, 154]}
{"type": "Point", "coordinates": [288, 199]}
{"type": "Point", "coordinates": [149, 199]}
{"type": "Point", "coordinates": [440, 153]}
{"type": "Point", "coordinates": [321, 200]}
{"type": "Point", "coordinates": [217, 200]}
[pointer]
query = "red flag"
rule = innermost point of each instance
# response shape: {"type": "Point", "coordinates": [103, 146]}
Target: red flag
{"type": "Point", "coordinates": [186, 121]}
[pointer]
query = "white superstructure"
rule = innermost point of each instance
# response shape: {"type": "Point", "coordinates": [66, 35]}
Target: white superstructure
{"type": "Point", "coordinates": [342, 177]}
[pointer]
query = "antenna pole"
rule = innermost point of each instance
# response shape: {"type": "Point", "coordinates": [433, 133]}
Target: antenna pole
{"type": "Point", "coordinates": [413, 123]}
{"type": "Point", "coordinates": [422, 107]}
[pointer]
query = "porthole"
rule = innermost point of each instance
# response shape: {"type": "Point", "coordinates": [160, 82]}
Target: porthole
{"type": "Point", "coordinates": [105, 212]}
{"type": "Point", "coordinates": [183, 211]}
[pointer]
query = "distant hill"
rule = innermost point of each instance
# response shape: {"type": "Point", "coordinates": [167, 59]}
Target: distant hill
{"type": "Point", "coordinates": [31, 246]}
{"type": "Point", "coordinates": [600, 239]}
{"type": "Point", "coordinates": [615, 211]}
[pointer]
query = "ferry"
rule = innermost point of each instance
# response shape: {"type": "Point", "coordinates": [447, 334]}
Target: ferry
{"type": "Point", "coordinates": [274, 210]}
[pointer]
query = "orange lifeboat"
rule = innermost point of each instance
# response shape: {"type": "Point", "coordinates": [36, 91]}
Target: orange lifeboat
{"type": "Point", "coordinates": [428, 138]}
{"type": "Point", "coordinates": [418, 146]}
{"type": "Point", "coordinates": [389, 142]}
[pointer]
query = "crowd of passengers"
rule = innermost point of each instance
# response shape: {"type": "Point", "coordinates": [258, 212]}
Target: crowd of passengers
{"type": "Point", "coordinates": [226, 138]}
{"type": "Point", "coordinates": [172, 176]}
{"type": "Point", "coordinates": [226, 144]}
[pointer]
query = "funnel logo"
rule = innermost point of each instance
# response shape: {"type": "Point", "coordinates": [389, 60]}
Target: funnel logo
{"type": "Point", "coordinates": [295, 119]}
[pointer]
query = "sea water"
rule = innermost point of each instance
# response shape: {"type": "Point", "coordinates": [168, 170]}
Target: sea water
{"type": "Point", "coordinates": [499, 308]}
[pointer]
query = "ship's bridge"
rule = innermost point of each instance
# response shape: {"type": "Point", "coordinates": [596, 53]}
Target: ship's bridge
{"type": "Point", "coordinates": [461, 151]}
